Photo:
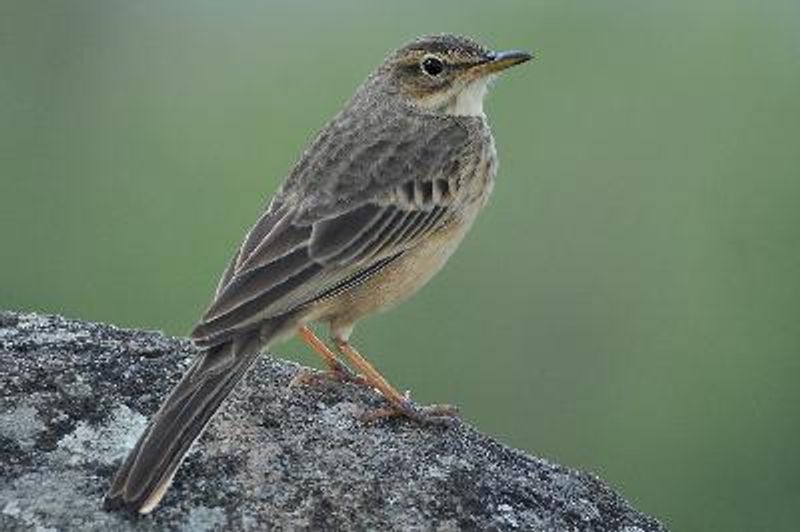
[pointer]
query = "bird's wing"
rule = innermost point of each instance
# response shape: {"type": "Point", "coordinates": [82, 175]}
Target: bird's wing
{"type": "Point", "coordinates": [348, 211]}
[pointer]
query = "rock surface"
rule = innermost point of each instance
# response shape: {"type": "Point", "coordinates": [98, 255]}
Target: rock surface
{"type": "Point", "coordinates": [75, 395]}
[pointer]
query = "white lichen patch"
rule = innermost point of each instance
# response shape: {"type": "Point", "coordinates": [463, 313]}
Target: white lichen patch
{"type": "Point", "coordinates": [32, 500]}
{"type": "Point", "coordinates": [105, 443]}
{"type": "Point", "coordinates": [202, 519]}
{"type": "Point", "coordinates": [22, 425]}
{"type": "Point", "coordinates": [57, 337]}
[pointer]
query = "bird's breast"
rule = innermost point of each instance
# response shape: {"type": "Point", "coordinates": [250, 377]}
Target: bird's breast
{"type": "Point", "coordinates": [476, 179]}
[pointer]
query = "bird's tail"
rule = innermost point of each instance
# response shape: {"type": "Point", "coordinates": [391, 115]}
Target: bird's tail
{"type": "Point", "coordinates": [147, 472]}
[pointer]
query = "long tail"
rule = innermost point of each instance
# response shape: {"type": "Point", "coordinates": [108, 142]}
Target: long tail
{"type": "Point", "coordinates": [147, 472]}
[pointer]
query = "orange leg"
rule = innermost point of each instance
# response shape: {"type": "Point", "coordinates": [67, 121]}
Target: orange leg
{"type": "Point", "coordinates": [336, 370]}
{"type": "Point", "coordinates": [400, 404]}
{"type": "Point", "coordinates": [310, 339]}
{"type": "Point", "coordinates": [375, 379]}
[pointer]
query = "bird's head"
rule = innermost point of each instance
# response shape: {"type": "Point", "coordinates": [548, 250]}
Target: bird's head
{"type": "Point", "coordinates": [445, 74]}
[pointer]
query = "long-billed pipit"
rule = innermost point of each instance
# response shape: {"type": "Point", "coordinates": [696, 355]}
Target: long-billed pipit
{"type": "Point", "coordinates": [370, 212]}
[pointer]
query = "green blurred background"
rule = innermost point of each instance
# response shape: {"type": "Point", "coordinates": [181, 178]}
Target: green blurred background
{"type": "Point", "coordinates": [628, 303]}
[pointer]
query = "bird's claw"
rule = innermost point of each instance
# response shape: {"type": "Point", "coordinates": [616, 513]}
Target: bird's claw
{"type": "Point", "coordinates": [419, 414]}
{"type": "Point", "coordinates": [310, 377]}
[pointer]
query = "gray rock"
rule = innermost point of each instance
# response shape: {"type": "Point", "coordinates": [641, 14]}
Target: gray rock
{"type": "Point", "coordinates": [75, 396]}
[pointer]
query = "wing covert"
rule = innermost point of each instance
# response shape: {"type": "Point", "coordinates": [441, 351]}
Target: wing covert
{"type": "Point", "coordinates": [361, 207]}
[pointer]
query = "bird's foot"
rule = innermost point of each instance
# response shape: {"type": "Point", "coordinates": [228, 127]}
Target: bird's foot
{"type": "Point", "coordinates": [422, 414]}
{"type": "Point", "coordinates": [336, 373]}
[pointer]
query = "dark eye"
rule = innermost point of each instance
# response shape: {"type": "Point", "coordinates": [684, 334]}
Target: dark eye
{"type": "Point", "coordinates": [432, 66]}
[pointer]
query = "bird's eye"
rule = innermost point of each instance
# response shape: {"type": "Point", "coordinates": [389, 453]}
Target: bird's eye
{"type": "Point", "coordinates": [432, 66]}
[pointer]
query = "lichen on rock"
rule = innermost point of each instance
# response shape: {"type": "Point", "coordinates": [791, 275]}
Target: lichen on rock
{"type": "Point", "coordinates": [76, 395]}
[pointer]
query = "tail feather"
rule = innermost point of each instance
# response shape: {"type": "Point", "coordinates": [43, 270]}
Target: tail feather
{"type": "Point", "coordinates": [147, 472]}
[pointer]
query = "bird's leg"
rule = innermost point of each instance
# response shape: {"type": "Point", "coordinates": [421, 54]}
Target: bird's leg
{"type": "Point", "coordinates": [400, 405]}
{"type": "Point", "coordinates": [308, 337]}
{"type": "Point", "coordinates": [335, 370]}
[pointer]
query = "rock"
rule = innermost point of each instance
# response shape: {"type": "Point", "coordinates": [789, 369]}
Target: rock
{"type": "Point", "coordinates": [76, 395]}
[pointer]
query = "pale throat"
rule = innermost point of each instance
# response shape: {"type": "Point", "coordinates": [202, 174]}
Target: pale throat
{"type": "Point", "coordinates": [469, 101]}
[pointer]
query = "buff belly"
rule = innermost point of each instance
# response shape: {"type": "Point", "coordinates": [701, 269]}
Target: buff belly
{"type": "Point", "coordinates": [393, 284]}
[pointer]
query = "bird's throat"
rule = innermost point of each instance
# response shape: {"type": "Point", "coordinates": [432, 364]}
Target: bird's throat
{"type": "Point", "coordinates": [469, 101]}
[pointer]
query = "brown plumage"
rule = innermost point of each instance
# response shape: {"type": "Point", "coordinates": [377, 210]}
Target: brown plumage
{"type": "Point", "coordinates": [370, 212]}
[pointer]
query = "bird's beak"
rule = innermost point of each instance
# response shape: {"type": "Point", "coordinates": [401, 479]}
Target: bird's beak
{"type": "Point", "coordinates": [497, 61]}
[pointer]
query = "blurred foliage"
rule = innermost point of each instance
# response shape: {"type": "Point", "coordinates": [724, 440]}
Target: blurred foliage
{"type": "Point", "coordinates": [627, 304]}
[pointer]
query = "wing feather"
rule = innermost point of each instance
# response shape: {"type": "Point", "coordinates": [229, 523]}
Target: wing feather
{"type": "Point", "coordinates": [334, 235]}
{"type": "Point", "coordinates": [324, 234]}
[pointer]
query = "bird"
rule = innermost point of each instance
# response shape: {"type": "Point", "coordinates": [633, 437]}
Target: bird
{"type": "Point", "coordinates": [372, 209]}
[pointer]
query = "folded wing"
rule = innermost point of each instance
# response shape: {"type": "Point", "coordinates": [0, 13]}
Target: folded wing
{"type": "Point", "coordinates": [312, 243]}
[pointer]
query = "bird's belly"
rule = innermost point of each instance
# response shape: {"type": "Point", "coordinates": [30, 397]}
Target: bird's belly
{"type": "Point", "coordinates": [396, 282]}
